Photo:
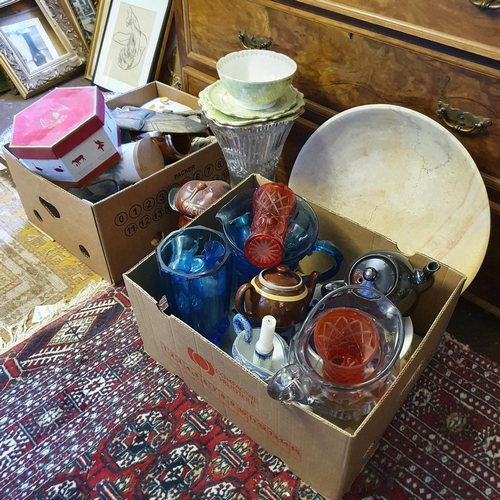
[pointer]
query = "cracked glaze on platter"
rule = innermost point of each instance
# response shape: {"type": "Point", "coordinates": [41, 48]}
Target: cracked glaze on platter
{"type": "Point", "coordinates": [401, 174]}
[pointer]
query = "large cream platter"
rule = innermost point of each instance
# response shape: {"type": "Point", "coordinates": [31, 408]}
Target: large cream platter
{"type": "Point", "coordinates": [403, 175]}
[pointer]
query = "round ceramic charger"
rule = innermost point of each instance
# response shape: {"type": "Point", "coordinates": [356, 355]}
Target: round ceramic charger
{"type": "Point", "coordinates": [401, 174]}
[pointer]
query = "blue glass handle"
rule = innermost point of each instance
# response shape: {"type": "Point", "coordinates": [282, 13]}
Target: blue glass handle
{"type": "Point", "coordinates": [329, 248]}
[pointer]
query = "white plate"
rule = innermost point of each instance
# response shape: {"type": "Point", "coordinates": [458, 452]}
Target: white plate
{"type": "Point", "coordinates": [162, 104]}
{"type": "Point", "coordinates": [222, 100]}
{"type": "Point", "coordinates": [406, 349]}
{"type": "Point", "coordinates": [223, 119]}
{"type": "Point", "coordinates": [401, 174]}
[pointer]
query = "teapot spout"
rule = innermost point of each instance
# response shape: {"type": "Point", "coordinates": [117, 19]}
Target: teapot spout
{"type": "Point", "coordinates": [424, 278]}
{"type": "Point", "coordinates": [311, 283]}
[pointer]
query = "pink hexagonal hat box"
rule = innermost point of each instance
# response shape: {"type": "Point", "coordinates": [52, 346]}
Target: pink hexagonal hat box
{"type": "Point", "coordinates": [69, 135]}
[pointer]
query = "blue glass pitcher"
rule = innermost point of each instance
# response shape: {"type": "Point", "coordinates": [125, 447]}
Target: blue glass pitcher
{"type": "Point", "coordinates": [300, 241]}
{"type": "Point", "coordinates": [195, 265]}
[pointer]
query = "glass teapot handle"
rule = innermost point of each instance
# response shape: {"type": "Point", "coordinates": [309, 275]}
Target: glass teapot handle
{"type": "Point", "coordinates": [329, 248]}
{"type": "Point", "coordinates": [285, 385]}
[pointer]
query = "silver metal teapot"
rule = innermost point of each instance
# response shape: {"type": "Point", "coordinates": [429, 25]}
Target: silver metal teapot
{"type": "Point", "coordinates": [392, 274]}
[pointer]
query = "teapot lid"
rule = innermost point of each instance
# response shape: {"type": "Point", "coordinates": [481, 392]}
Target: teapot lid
{"type": "Point", "coordinates": [281, 278]}
{"type": "Point", "coordinates": [376, 270]}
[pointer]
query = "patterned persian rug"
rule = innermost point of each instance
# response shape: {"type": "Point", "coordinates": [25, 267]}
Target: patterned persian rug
{"type": "Point", "coordinates": [86, 414]}
{"type": "Point", "coordinates": [35, 271]}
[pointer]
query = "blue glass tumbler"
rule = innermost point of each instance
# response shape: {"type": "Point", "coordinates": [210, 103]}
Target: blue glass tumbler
{"type": "Point", "coordinates": [195, 265]}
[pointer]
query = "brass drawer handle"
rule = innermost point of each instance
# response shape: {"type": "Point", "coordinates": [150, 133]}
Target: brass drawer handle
{"type": "Point", "coordinates": [462, 121]}
{"type": "Point", "coordinates": [253, 42]}
{"type": "Point", "coordinates": [486, 4]}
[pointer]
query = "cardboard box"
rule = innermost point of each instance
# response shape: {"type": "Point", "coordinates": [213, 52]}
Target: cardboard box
{"type": "Point", "coordinates": [325, 455]}
{"type": "Point", "coordinates": [69, 135]}
{"type": "Point", "coordinates": [114, 234]}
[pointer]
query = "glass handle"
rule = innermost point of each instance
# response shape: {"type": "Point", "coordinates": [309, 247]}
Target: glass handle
{"type": "Point", "coordinates": [285, 385]}
{"type": "Point", "coordinates": [329, 248]}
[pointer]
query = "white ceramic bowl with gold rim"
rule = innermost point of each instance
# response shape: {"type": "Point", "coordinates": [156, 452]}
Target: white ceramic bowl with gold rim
{"type": "Point", "coordinates": [256, 78]}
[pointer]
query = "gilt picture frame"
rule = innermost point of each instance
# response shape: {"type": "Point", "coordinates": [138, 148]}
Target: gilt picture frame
{"type": "Point", "coordinates": [38, 45]}
{"type": "Point", "coordinates": [102, 10]}
{"type": "Point", "coordinates": [3, 3]}
{"type": "Point", "coordinates": [84, 13]}
{"type": "Point", "coordinates": [133, 39]}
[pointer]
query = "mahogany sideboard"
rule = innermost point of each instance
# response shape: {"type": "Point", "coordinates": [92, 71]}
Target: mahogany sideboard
{"type": "Point", "coordinates": [439, 58]}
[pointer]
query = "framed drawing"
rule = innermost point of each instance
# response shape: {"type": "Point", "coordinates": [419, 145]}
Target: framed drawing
{"type": "Point", "coordinates": [134, 37]}
{"type": "Point", "coordinates": [38, 45]}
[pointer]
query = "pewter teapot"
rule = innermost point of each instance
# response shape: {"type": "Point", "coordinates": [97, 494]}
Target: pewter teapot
{"type": "Point", "coordinates": [392, 274]}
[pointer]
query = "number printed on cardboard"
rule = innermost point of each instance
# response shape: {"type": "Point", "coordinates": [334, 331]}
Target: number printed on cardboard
{"type": "Point", "coordinates": [154, 208]}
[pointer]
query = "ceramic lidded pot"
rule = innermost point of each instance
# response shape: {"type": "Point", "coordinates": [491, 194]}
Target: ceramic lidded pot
{"type": "Point", "coordinates": [194, 197]}
{"type": "Point", "coordinates": [277, 291]}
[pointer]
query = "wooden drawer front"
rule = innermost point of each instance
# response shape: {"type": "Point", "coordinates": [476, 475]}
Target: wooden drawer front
{"type": "Point", "coordinates": [340, 67]}
{"type": "Point", "coordinates": [455, 23]}
{"type": "Point", "coordinates": [485, 288]}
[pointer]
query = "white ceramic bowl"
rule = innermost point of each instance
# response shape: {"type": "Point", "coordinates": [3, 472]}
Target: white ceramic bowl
{"type": "Point", "coordinates": [256, 78]}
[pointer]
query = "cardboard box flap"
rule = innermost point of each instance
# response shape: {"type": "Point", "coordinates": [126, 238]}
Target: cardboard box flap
{"type": "Point", "coordinates": [150, 91]}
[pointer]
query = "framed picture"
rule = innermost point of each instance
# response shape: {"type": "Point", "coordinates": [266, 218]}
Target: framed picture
{"type": "Point", "coordinates": [6, 2]}
{"type": "Point", "coordinates": [102, 11]}
{"type": "Point", "coordinates": [133, 39]}
{"type": "Point", "coordinates": [85, 15]}
{"type": "Point", "coordinates": [38, 45]}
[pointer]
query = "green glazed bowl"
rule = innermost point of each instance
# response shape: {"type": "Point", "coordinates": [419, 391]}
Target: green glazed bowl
{"type": "Point", "coordinates": [256, 79]}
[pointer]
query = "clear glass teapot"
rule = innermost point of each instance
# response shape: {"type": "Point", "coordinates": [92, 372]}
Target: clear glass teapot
{"type": "Point", "coordinates": [345, 356]}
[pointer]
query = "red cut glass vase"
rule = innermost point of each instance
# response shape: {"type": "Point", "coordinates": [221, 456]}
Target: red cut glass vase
{"type": "Point", "coordinates": [347, 341]}
{"type": "Point", "coordinates": [273, 205]}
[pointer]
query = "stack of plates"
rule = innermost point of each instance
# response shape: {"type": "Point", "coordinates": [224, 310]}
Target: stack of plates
{"type": "Point", "coordinates": [221, 108]}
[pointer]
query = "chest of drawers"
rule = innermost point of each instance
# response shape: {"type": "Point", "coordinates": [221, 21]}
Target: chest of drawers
{"type": "Point", "coordinates": [439, 58]}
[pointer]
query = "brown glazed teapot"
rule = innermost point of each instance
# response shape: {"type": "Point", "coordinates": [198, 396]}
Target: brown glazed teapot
{"type": "Point", "coordinates": [277, 291]}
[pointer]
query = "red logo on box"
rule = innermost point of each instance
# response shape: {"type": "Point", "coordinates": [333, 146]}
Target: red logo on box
{"type": "Point", "coordinates": [201, 362]}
